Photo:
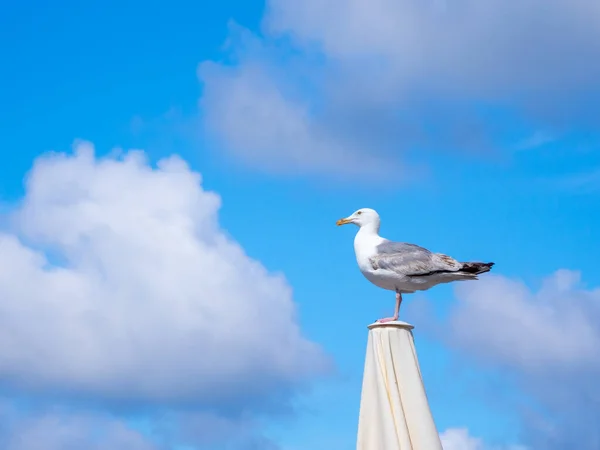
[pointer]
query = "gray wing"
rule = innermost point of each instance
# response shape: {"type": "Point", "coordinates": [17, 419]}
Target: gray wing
{"type": "Point", "coordinates": [411, 260]}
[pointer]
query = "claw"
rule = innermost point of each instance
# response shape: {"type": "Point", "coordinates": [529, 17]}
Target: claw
{"type": "Point", "coordinates": [387, 319]}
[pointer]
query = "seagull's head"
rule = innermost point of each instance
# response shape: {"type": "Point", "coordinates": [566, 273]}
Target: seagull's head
{"type": "Point", "coordinates": [362, 217]}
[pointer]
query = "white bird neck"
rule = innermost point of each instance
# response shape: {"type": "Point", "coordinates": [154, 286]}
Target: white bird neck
{"type": "Point", "coordinates": [366, 239]}
{"type": "Point", "coordinates": [369, 229]}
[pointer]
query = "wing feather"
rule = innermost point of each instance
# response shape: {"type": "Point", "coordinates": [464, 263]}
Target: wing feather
{"type": "Point", "coordinates": [411, 260]}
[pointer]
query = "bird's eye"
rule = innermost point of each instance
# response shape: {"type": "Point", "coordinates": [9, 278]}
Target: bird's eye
{"type": "Point", "coordinates": [359, 213]}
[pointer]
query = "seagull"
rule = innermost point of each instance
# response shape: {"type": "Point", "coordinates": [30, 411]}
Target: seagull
{"type": "Point", "coordinates": [402, 267]}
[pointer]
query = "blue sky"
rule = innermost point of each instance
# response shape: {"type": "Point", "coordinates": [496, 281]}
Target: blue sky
{"type": "Point", "coordinates": [472, 127]}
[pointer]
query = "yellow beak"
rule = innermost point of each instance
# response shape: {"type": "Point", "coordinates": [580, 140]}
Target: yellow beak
{"type": "Point", "coordinates": [343, 222]}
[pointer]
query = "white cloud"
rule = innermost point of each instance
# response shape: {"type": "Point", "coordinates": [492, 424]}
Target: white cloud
{"type": "Point", "coordinates": [58, 427]}
{"type": "Point", "coordinates": [502, 320]}
{"type": "Point", "coordinates": [484, 45]}
{"type": "Point", "coordinates": [207, 431]}
{"type": "Point", "coordinates": [61, 430]}
{"type": "Point", "coordinates": [117, 282]}
{"type": "Point", "coordinates": [547, 341]}
{"type": "Point", "coordinates": [333, 81]}
{"type": "Point", "coordinates": [460, 439]}
{"type": "Point", "coordinates": [264, 129]}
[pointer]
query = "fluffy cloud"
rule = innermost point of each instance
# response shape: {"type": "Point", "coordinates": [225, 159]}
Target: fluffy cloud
{"type": "Point", "coordinates": [208, 431]}
{"type": "Point", "coordinates": [61, 430]}
{"type": "Point", "coordinates": [548, 341]}
{"type": "Point", "coordinates": [116, 282]}
{"type": "Point", "coordinates": [561, 323]}
{"type": "Point", "coordinates": [460, 439]}
{"type": "Point", "coordinates": [461, 45]}
{"type": "Point", "coordinates": [262, 128]}
{"type": "Point", "coordinates": [57, 427]}
{"type": "Point", "coordinates": [331, 81]}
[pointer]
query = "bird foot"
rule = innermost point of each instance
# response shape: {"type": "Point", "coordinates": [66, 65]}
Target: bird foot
{"type": "Point", "coordinates": [387, 319]}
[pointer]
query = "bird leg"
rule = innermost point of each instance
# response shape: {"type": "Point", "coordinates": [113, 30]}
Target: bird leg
{"type": "Point", "coordinates": [396, 311]}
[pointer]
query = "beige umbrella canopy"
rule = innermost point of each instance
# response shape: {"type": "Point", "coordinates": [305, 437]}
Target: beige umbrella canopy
{"type": "Point", "coordinates": [394, 411]}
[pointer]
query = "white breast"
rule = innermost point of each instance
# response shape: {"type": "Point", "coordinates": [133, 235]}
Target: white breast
{"type": "Point", "coordinates": [365, 244]}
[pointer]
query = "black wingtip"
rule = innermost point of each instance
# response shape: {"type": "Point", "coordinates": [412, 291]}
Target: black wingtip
{"type": "Point", "coordinates": [485, 267]}
{"type": "Point", "coordinates": [477, 267]}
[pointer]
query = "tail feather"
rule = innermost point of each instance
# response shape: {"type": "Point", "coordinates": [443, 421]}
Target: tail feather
{"type": "Point", "coordinates": [476, 267]}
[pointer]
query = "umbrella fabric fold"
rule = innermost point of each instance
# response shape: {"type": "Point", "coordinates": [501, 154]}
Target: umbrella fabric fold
{"type": "Point", "coordinates": [394, 411]}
